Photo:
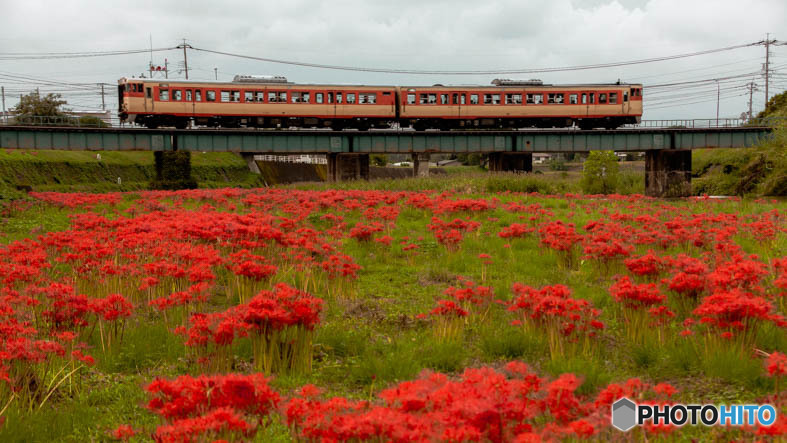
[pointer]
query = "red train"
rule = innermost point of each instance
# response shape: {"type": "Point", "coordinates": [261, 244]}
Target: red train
{"type": "Point", "coordinates": [272, 102]}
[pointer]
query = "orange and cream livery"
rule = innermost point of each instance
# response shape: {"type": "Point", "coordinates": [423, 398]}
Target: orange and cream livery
{"type": "Point", "coordinates": [273, 102]}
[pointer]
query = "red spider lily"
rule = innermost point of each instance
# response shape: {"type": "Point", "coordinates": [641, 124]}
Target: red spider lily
{"type": "Point", "coordinates": [515, 230]}
{"type": "Point", "coordinates": [776, 364]}
{"type": "Point", "coordinates": [648, 265]}
{"type": "Point", "coordinates": [635, 296]}
{"type": "Point", "coordinates": [123, 432]}
{"type": "Point", "coordinates": [363, 232]}
{"type": "Point", "coordinates": [561, 238]}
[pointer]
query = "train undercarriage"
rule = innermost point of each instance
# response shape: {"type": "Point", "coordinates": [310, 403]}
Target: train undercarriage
{"type": "Point", "coordinates": [178, 122]}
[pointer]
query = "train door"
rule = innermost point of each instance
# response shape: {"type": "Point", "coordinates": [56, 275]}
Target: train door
{"type": "Point", "coordinates": [148, 98]}
{"type": "Point", "coordinates": [331, 102]}
{"type": "Point", "coordinates": [625, 101]}
{"type": "Point", "coordinates": [458, 101]}
{"type": "Point", "coordinates": [586, 99]}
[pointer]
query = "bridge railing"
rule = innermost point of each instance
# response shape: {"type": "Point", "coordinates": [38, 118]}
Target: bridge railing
{"type": "Point", "coordinates": [72, 121]}
{"type": "Point", "coordinates": [705, 123]}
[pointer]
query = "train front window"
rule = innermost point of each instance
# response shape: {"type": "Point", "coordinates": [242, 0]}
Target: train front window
{"type": "Point", "coordinates": [163, 95]}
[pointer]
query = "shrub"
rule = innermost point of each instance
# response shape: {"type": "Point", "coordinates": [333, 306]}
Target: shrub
{"type": "Point", "coordinates": [601, 173]}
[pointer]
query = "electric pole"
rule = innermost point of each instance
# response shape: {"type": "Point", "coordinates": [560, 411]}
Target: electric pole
{"type": "Point", "coordinates": [216, 73]}
{"type": "Point", "coordinates": [767, 64]}
{"type": "Point", "coordinates": [166, 68]}
{"type": "Point", "coordinates": [103, 105]}
{"type": "Point", "coordinates": [718, 96]}
{"type": "Point", "coordinates": [751, 95]}
{"type": "Point", "coordinates": [185, 59]}
{"type": "Point", "coordinates": [2, 93]}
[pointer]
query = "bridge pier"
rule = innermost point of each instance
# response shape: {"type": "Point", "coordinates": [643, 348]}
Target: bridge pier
{"type": "Point", "coordinates": [173, 170]}
{"type": "Point", "coordinates": [347, 166]}
{"type": "Point", "coordinates": [420, 164]}
{"type": "Point", "coordinates": [668, 173]}
{"type": "Point", "coordinates": [251, 163]}
{"type": "Point", "coordinates": [511, 161]}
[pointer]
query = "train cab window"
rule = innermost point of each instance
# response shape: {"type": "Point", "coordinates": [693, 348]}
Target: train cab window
{"type": "Point", "coordinates": [318, 97]}
{"type": "Point", "coordinates": [592, 98]}
{"type": "Point", "coordinates": [602, 98]}
{"type": "Point", "coordinates": [584, 99]}
{"type": "Point", "coordinates": [177, 95]}
{"type": "Point", "coordinates": [197, 95]}
{"type": "Point", "coordinates": [259, 96]}
{"type": "Point", "coordinates": [188, 95]}
{"type": "Point", "coordinates": [613, 98]}
{"type": "Point", "coordinates": [148, 93]}
{"type": "Point", "coordinates": [444, 99]}
{"type": "Point", "coordinates": [572, 99]}
{"type": "Point", "coordinates": [163, 95]}
{"type": "Point", "coordinates": [410, 99]}
{"type": "Point", "coordinates": [625, 96]}
{"type": "Point", "coordinates": [455, 99]}
{"type": "Point", "coordinates": [473, 99]}
{"type": "Point", "coordinates": [339, 98]}
{"type": "Point", "coordinates": [350, 98]}
{"type": "Point", "coordinates": [513, 99]}
{"type": "Point", "coordinates": [210, 96]}
{"type": "Point", "coordinates": [248, 96]}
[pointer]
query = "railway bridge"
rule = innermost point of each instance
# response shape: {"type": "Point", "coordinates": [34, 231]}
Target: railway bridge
{"type": "Point", "coordinates": [667, 149]}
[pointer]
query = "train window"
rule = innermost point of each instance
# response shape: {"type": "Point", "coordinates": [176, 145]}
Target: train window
{"type": "Point", "coordinates": [330, 97]}
{"type": "Point", "coordinates": [210, 96]}
{"type": "Point", "coordinates": [625, 96]}
{"type": "Point", "coordinates": [306, 98]}
{"type": "Point", "coordinates": [318, 97]}
{"type": "Point", "coordinates": [487, 99]}
{"type": "Point", "coordinates": [259, 96]}
{"type": "Point", "coordinates": [282, 97]}
{"type": "Point", "coordinates": [602, 98]}
{"type": "Point", "coordinates": [613, 98]}
{"type": "Point", "coordinates": [473, 99]}
{"type": "Point", "coordinates": [513, 99]}
{"type": "Point", "coordinates": [295, 97]}
{"type": "Point", "coordinates": [462, 99]}
{"type": "Point", "coordinates": [455, 99]}
{"type": "Point", "coordinates": [444, 99]}
{"type": "Point", "coordinates": [592, 98]}
{"type": "Point", "coordinates": [148, 93]}
{"type": "Point", "coordinates": [387, 93]}
{"type": "Point", "coordinates": [235, 96]}
{"type": "Point", "coordinates": [248, 96]}
{"type": "Point", "coordinates": [272, 97]}
{"type": "Point", "coordinates": [410, 99]}
{"type": "Point", "coordinates": [339, 97]}
{"type": "Point", "coordinates": [551, 98]}
{"type": "Point", "coordinates": [225, 96]}
{"type": "Point", "coordinates": [572, 99]}
{"type": "Point", "coordinates": [423, 99]}
{"type": "Point", "coordinates": [534, 99]}
{"type": "Point", "coordinates": [177, 95]}
{"type": "Point", "coordinates": [188, 95]}
{"type": "Point", "coordinates": [584, 98]}
{"type": "Point", "coordinates": [367, 98]}
{"type": "Point", "coordinates": [163, 95]}
{"type": "Point", "coordinates": [197, 95]}
{"type": "Point", "coordinates": [350, 98]}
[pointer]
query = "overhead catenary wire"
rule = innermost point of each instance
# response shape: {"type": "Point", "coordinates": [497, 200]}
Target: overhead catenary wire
{"type": "Point", "coordinates": [64, 55]}
{"type": "Point", "coordinates": [476, 72]}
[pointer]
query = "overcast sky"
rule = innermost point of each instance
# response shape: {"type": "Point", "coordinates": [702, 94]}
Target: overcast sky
{"type": "Point", "coordinates": [409, 34]}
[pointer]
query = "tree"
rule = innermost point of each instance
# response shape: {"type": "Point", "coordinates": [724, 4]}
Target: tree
{"type": "Point", "coordinates": [33, 104]}
{"type": "Point", "coordinates": [380, 160]}
{"type": "Point", "coordinates": [600, 174]}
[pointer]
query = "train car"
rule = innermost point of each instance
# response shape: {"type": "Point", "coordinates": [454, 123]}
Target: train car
{"type": "Point", "coordinates": [272, 102]}
{"type": "Point", "coordinates": [518, 104]}
{"type": "Point", "coordinates": [264, 102]}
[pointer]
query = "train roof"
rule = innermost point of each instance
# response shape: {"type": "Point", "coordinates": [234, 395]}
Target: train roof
{"type": "Point", "coordinates": [291, 84]}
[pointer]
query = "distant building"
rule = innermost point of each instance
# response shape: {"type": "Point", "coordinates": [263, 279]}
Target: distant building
{"type": "Point", "coordinates": [541, 158]}
{"type": "Point", "coordinates": [300, 158]}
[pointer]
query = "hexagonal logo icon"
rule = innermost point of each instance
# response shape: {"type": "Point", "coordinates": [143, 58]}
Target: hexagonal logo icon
{"type": "Point", "coordinates": [624, 414]}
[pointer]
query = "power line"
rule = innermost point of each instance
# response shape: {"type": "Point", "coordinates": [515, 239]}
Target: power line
{"type": "Point", "coordinates": [64, 55]}
{"type": "Point", "coordinates": [484, 72]}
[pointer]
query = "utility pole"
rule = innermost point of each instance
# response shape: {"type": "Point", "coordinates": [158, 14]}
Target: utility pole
{"type": "Point", "coordinates": [751, 94]}
{"type": "Point", "coordinates": [2, 93]}
{"type": "Point", "coordinates": [185, 59]}
{"type": "Point", "coordinates": [718, 96]}
{"type": "Point", "coordinates": [150, 72]}
{"type": "Point", "coordinates": [767, 64]}
{"type": "Point", "coordinates": [216, 73]}
{"type": "Point", "coordinates": [103, 105]}
{"type": "Point", "coordinates": [166, 68]}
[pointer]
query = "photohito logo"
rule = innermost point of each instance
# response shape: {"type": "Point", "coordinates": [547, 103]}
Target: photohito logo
{"type": "Point", "coordinates": [626, 414]}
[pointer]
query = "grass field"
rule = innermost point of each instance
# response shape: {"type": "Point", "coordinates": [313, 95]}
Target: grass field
{"type": "Point", "coordinates": [383, 283]}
